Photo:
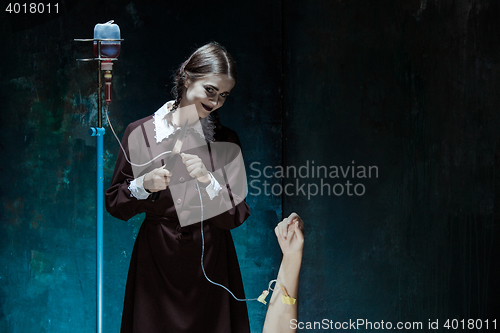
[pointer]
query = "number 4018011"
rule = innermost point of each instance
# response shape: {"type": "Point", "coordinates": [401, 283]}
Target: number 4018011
{"type": "Point", "coordinates": [32, 8]}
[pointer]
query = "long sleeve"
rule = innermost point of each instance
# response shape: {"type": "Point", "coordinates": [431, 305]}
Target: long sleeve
{"type": "Point", "coordinates": [213, 188]}
{"type": "Point", "coordinates": [230, 172]}
{"type": "Point", "coordinates": [119, 200]}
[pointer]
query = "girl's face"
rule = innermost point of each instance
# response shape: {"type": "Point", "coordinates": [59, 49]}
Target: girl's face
{"type": "Point", "coordinates": [207, 94]}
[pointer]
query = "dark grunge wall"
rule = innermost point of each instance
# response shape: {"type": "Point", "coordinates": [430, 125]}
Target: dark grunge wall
{"type": "Point", "coordinates": [410, 87]}
{"type": "Point", "coordinates": [406, 87]}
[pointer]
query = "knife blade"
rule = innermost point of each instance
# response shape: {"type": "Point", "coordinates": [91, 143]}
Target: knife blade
{"type": "Point", "coordinates": [172, 158]}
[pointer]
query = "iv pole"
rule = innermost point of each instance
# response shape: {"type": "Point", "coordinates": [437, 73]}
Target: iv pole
{"type": "Point", "coordinates": [99, 133]}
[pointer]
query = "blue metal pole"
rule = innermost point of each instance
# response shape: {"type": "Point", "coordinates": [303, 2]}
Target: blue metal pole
{"type": "Point", "coordinates": [99, 132]}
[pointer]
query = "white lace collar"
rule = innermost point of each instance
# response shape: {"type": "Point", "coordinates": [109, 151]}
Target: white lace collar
{"type": "Point", "coordinates": [165, 127]}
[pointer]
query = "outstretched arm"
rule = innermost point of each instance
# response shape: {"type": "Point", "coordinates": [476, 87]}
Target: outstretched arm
{"type": "Point", "coordinates": [291, 240]}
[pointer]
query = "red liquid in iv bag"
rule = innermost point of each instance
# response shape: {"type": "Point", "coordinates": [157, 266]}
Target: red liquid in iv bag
{"type": "Point", "coordinates": [108, 49]}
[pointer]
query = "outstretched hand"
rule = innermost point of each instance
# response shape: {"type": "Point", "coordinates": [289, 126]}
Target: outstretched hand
{"type": "Point", "coordinates": [291, 239]}
{"type": "Point", "coordinates": [290, 234]}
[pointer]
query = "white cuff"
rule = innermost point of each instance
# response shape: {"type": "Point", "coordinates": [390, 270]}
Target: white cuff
{"type": "Point", "coordinates": [137, 190]}
{"type": "Point", "coordinates": [214, 187]}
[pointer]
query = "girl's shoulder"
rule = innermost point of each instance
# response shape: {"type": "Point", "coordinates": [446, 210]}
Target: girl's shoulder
{"type": "Point", "coordinates": [159, 114]}
{"type": "Point", "coordinates": [132, 126]}
{"type": "Point", "coordinates": [225, 134]}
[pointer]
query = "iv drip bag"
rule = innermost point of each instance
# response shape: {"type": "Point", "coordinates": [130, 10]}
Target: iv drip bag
{"type": "Point", "coordinates": [109, 30]}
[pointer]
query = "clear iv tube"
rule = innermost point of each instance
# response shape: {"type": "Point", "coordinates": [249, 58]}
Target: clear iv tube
{"type": "Point", "coordinates": [123, 150]}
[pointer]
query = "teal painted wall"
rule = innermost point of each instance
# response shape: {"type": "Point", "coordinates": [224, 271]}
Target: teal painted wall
{"type": "Point", "coordinates": [409, 87]}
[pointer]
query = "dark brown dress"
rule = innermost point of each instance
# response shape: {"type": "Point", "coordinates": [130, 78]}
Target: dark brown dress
{"type": "Point", "coordinates": [166, 290]}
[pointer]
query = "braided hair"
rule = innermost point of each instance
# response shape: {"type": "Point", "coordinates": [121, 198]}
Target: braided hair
{"type": "Point", "coordinates": [210, 59]}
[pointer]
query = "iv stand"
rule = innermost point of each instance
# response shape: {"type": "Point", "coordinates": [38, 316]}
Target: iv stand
{"type": "Point", "coordinates": [99, 133]}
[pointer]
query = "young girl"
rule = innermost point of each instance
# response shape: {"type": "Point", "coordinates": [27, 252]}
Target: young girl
{"type": "Point", "coordinates": [167, 290]}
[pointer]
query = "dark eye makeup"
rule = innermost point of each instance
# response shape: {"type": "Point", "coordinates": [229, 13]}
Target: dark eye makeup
{"type": "Point", "coordinates": [210, 90]}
